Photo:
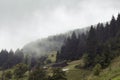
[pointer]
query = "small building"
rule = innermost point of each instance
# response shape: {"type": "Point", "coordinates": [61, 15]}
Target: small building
{"type": "Point", "coordinates": [60, 64]}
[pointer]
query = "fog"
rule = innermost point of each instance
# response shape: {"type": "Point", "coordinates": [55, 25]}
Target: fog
{"type": "Point", "coordinates": [23, 21]}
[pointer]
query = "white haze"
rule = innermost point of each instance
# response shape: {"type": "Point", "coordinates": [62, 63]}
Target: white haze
{"type": "Point", "coordinates": [23, 21]}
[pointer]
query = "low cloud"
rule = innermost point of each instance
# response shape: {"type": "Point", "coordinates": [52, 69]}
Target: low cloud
{"type": "Point", "coordinates": [23, 21]}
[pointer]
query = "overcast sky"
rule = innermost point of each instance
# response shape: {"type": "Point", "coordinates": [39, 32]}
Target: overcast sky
{"type": "Point", "coordinates": [23, 21]}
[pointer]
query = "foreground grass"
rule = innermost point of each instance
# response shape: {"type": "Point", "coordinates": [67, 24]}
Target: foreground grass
{"type": "Point", "coordinates": [112, 72]}
{"type": "Point", "coordinates": [76, 74]}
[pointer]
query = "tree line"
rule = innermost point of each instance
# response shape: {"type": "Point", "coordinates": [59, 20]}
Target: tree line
{"type": "Point", "coordinates": [11, 58]}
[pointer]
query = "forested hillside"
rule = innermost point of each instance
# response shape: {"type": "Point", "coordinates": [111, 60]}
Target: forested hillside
{"type": "Point", "coordinates": [92, 52]}
{"type": "Point", "coordinates": [99, 45]}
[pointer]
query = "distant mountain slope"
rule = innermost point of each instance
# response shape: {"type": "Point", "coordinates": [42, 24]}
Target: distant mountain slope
{"type": "Point", "coordinates": [52, 43]}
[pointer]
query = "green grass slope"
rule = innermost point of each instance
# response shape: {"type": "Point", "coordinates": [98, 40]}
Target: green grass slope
{"type": "Point", "coordinates": [112, 72]}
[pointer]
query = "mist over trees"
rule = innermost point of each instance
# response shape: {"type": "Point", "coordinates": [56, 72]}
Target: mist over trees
{"type": "Point", "coordinates": [52, 43]}
{"type": "Point", "coordinates": [44, 46]}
